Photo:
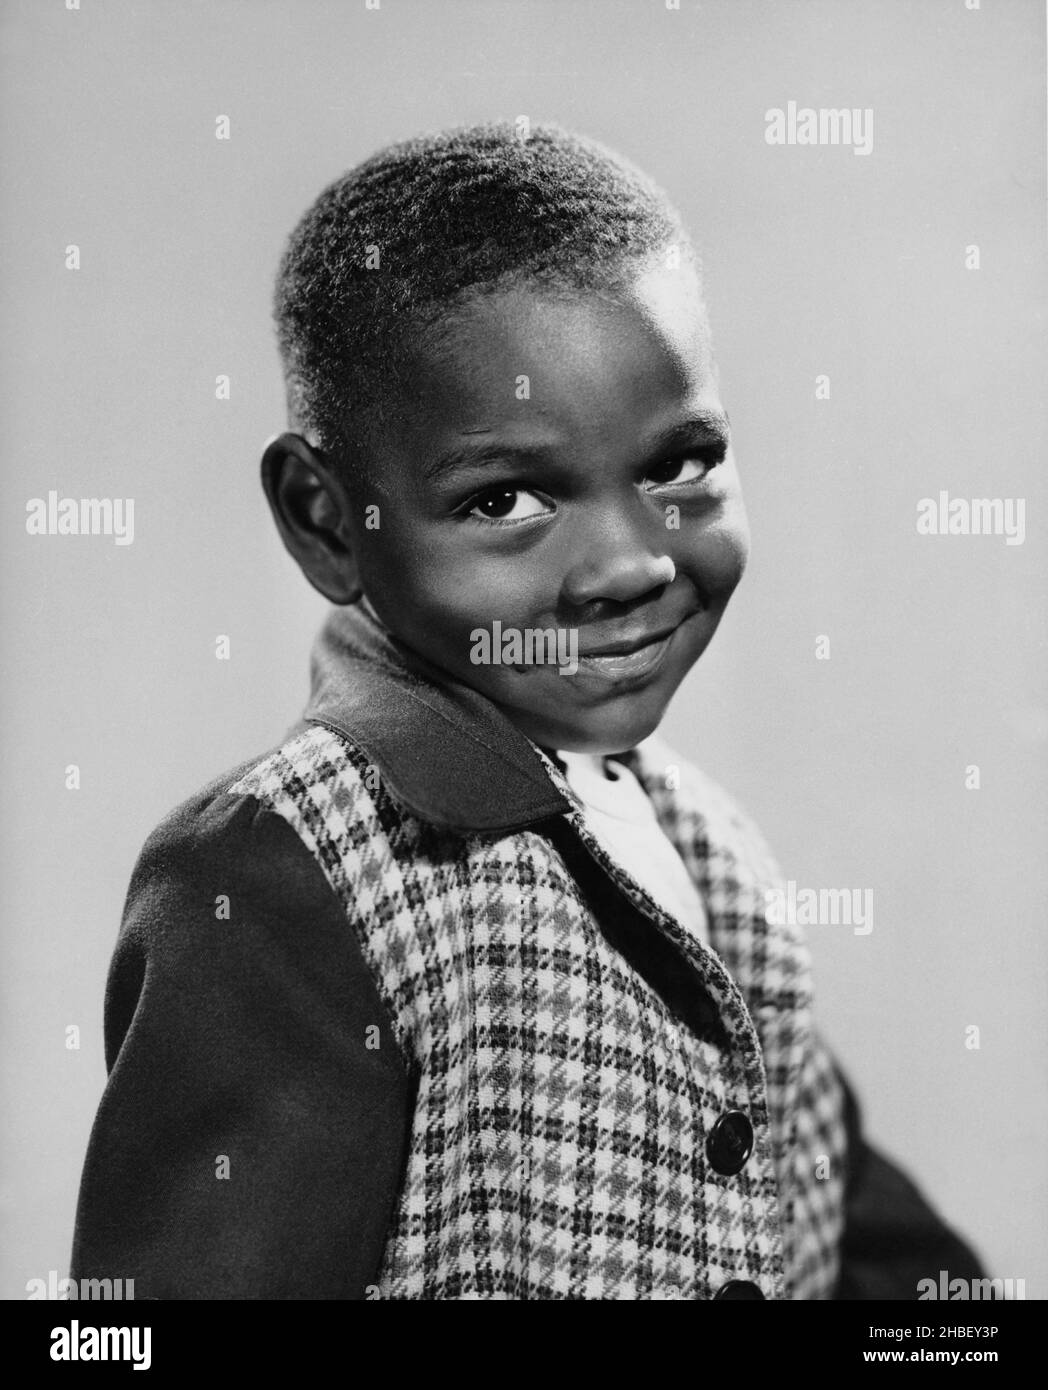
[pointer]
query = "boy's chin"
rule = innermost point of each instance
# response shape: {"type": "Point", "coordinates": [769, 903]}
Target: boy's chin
{"type": "Point", "coordinates": [605, 732]}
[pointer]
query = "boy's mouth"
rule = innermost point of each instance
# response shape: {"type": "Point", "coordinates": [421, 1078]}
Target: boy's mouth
{"type": "Point", "coordinates": [627, 660]}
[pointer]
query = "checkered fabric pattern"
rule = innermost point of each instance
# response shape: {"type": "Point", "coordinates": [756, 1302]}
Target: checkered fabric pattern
{"type": "Point", "coordinates": [557, 1146]}
{"type": "Point", "coordinates": [734, 869]}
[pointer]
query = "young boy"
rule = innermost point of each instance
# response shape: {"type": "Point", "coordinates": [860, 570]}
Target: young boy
{"type": "Point", "coordinates": [467, 989]}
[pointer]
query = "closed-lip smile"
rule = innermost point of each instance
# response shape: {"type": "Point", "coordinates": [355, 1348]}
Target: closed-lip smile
{"type": "Point", "coordinates": [625, 663]}
{"type": "Point", "coordinates": [627, 646]}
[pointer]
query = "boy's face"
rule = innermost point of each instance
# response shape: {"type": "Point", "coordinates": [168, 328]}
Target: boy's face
{"type": "Point", "coordinates": [598, 495]}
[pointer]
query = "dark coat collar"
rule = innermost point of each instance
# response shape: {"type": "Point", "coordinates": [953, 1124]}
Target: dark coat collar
{"type": "Point", "coordinates": [445, 752]}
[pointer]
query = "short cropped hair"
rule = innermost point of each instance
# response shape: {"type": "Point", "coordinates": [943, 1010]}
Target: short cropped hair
{"type": "Point", "coordinates": [394, 244]}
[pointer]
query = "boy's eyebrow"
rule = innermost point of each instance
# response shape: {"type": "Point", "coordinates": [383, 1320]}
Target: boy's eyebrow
{"type": "Point", "coordinates": [476, 451]}
{"type": "Point", "coordinates": [477, 454]}
{"type": "Point", "coordinates": [699, 422]}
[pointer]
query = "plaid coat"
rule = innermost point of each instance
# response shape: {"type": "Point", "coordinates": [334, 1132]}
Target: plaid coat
{"type": "Point", "coordinates": [385, 1020]}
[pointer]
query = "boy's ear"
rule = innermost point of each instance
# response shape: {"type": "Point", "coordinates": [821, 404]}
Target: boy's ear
{"type": "Point", "coordinates": [311, 507]}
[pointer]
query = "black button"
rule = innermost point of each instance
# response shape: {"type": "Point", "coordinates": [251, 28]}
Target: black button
{"type": "Point", "coordinates": [730, 1143]}
{"type": "Point", "coordinates": [739, 1288]}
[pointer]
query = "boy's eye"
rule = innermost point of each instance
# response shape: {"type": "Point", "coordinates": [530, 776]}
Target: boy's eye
{"type": "Point", "coordinates": [507, 504]}
{"type": "Point", "coordinates": [689, 468]}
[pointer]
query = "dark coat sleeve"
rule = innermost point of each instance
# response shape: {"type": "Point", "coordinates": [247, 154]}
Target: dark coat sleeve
{"type": "Point", "coordinates": [892, 1237]}
{"type": "Point", "coordinates": [241, 1046]}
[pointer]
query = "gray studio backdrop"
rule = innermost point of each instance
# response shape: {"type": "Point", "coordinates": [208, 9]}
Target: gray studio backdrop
{"type": "Point", "coordinates": [821, 262]}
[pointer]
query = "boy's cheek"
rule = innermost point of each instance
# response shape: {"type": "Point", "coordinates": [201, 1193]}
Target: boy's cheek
{"type": "Point", "coordinates": [719, 554]}
{"type": "Point", "coordinates": [435, 613]}
{"type": "Point", "coordinates": [445, 591]}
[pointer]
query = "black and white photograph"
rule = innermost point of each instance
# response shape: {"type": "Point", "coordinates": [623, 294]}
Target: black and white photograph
{"type": "Point", "coordinates": [524, 710]}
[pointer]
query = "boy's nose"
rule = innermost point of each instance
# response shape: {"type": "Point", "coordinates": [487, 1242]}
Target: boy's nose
{"type": "Point", "coordinates": [619, 565]}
